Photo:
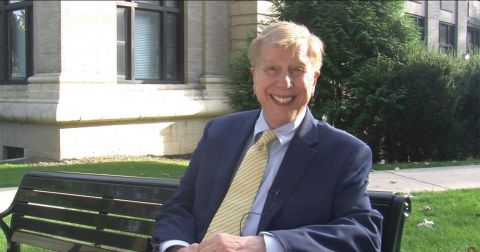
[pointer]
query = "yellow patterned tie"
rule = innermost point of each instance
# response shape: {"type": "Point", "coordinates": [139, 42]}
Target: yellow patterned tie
{"type": "Point", "coordinates": [243, 189]}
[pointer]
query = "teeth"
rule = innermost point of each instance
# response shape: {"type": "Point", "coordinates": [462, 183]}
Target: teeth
{"type": "Point", "coordinates": [282, 100]}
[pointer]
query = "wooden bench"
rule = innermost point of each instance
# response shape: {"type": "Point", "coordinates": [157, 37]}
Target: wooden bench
{"type": "Point", "coordinates": [86, 212]}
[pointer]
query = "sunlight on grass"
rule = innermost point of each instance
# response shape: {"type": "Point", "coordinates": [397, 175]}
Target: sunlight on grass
{"type": "Point", "coordinates": [456, 215]}
{"type": "Point", "coordinates": [12, 173]}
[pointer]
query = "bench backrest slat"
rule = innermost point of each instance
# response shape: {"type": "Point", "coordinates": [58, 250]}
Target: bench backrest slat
{"type": "Point", "coordinates": [54, 244]}
{"type": "Point", "coordinates": [113, 189]}
{"type": "Point", "coordinates": [101, 221]}
{"type": "Point", "coordinates": [81, 233]}
{"type": "Point", "coordinates": [88, 203]}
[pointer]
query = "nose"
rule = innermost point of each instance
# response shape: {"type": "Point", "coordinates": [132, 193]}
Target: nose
{"type": "Point", "coordinates": [285, 80]}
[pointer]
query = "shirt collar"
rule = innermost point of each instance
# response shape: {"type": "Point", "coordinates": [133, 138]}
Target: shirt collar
{"type": "Point", "coordinates": [285, 132]}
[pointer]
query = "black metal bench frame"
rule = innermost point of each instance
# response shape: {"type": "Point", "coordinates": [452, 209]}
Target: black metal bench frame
{"type": "Point", "coordinates": [87, 212]}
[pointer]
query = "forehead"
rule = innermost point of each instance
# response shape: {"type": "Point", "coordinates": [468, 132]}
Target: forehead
{"type": "Point", "coordinates": [274, 53]}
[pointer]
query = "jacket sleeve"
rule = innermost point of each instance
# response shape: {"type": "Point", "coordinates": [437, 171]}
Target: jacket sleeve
{"type": "Point", "coordinates": [175, 220]}
{"type": "Point", "coordinates": [355, 226]}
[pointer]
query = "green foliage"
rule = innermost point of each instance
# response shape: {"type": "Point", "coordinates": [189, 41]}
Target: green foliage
{"type": "Point", "coordinates": [468, 105]}
{"type": "Point", "coordinates": [381, 84]}
{"type": "Point", "coordinates": [362, 52]}
{"type": "Point", "coordinates": [240, 83]}
{"type": "Point", "coordinates": [422, 125]}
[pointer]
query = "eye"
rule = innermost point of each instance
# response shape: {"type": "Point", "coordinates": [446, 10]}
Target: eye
{"type": "Point", "coordinates": [298, 71]}
{"type": "Point", "coordinates": [271, 70]}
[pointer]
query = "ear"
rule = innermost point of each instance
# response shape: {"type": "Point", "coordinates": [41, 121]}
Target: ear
{"type": "Point", "coordinates": [252, 70]}
{"type": "Point", "coordinates": [315, 78]}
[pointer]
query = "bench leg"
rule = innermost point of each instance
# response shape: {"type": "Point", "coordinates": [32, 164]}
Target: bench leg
{"type": "Point", "coordinates": [14, 247]}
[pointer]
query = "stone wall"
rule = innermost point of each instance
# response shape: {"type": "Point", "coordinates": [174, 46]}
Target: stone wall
{"type": "Point", "coordinates": [74, 107]}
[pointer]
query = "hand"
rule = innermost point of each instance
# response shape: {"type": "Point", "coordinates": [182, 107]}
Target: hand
{"type": "Point", "coordinates": [191, 248]}
{"type": "Point", "coordinates": [231, 243]}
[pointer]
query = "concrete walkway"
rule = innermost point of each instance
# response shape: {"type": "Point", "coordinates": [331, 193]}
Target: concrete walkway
{"type": "Point", "coordinates": [6, 197]}
{"type": "Point", "coordinates": [406, 181]}
{"type": "Point", "coordinates": [426, 179]}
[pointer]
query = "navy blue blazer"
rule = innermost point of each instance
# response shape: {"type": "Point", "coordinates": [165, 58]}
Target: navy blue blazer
{"type": "Point", "coordinates": [317, 202]}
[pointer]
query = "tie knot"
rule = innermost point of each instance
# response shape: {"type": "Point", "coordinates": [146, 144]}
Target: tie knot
{"type": "Point", "coordinates": [267, 138]}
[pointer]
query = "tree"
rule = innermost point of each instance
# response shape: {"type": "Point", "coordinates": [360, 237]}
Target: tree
{"type": "Point", "coordinates": [365, 41]}
{"type": "Point", "coordinates": [423, 124]}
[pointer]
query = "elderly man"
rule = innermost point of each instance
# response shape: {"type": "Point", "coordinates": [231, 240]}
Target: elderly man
{"type": "Point", "coordinates": [274, 179]}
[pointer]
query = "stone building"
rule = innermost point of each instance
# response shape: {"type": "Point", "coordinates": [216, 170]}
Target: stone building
{"type": "Point", "coordinates": [448, 25]}
{"type": "Point", "coordinates": [98, 78]}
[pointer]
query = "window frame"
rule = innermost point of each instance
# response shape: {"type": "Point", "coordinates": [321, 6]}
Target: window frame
{"type": "Point", "coordinates": [131, 7]}
{"type": "Point", "coordinates": [5, 8]}
{"type": "Point", "coordinates": [416, 19]}
{"type": "Point", "coordinates": [474, 33]}
{"type": "Point", "coordinates": [446, 47]}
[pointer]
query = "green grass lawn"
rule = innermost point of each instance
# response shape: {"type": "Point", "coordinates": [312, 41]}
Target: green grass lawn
{"type": "Point", "coordinates": [456, 218]}
{"type": "Point", "coordinates": [456, 213]}
{"type": "Point", "coordinates": [11, 174]}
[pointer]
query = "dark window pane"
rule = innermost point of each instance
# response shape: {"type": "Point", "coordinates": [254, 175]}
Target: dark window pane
{"type": "Point", "coordinates": [121, 43]}
{"type": "Point", "coordinates": [473, 40]}
{"type": "Point", "coordinates": [147, 45]}
{"type": "Point", "coordinates": [171, 63]}
{"type": "Point", "coordinates": [17, 45]}
{"type": "Point", "coordinates": [443, 33]}
{"type": "Point", "coordinates": [171, 29]}
{"type": "Point", "coordinates": [148, 2]}
{"type": "Point", "coordinates": [171, 46]}
{"type": "Point", "coordinates": [171, 3]}
{"type": "Point", "coordinates": [447, 37]}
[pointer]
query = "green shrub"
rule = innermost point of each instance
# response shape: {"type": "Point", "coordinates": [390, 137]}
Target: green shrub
{"type": "Point", "coordinates": [468, 105]}
{"type": "Point", "coordinates": [240, 82]}
{"type": "Point", "coordinates": [422, 124]}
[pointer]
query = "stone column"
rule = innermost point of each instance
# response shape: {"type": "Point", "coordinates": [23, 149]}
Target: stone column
{"type": "Point", "coordinates": [461, 31]}
{"type": "Point", "coordinates": [75, 56]}
{"type": "Point", "coordinates": [247, 19]}
{"type": "Point", "coordinates": [432, 24]}
{"type": "Point", "coordinates": [216, 46]}
{"type": "Point", "coordinates": [193, 14]}
{"type": "Point", "coordinates": [74, 42]}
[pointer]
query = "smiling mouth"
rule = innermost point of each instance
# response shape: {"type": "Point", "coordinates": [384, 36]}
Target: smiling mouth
{"type": "Point", "coordinates": [282, 100]}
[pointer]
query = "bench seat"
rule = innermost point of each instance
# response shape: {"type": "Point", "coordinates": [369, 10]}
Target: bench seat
{"type": "Point", "coordinates": [88, 212]}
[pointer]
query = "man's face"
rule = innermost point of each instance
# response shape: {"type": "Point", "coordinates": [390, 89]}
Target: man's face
{"type": "Point", "coordinates": [283, 82]}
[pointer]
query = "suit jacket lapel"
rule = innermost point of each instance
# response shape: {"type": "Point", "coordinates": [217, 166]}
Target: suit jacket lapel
{"type": "Point", "coordinates": [297, 160]}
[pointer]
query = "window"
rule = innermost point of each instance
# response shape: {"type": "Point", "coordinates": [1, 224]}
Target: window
{"type": "Point", "coordinates": [15, 41]}
{"type": "Point", "coordinates": [473, 39]}
{"type": "Point", "coordinates": [447, 37]}
{"type": "Point", "coordinates": [148, 41]}
{"type": "Point", "coordinates": [474, 9]}
{"type": "Point", "coordinates": [420, 22]}
{"type": "Point", "coordinates": [447, 5]}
